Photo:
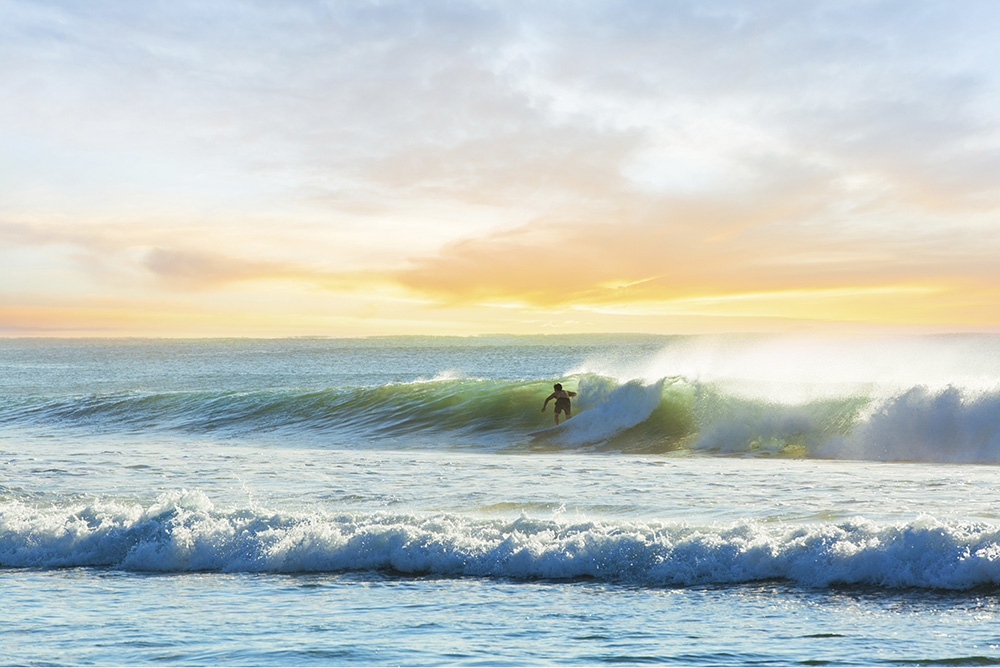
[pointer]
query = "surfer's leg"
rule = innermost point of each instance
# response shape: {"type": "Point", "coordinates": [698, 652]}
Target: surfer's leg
{"type": "Point", "coordinates": [562, 409]}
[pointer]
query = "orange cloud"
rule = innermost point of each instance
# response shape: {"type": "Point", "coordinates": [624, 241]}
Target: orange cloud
{"type": "Point", "coordinates": [717, 261]}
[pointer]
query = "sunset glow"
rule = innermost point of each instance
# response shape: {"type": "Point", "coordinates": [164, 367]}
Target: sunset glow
{"type": "Point", "coordinates": [353, 168]}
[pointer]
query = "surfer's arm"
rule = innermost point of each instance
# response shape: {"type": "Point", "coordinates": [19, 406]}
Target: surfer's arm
{"type": "Point", "coordinates": [547, 400]}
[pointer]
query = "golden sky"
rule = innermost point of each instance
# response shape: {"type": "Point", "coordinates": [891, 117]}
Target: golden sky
{"type": "Point", "coordinates": [372, 168]}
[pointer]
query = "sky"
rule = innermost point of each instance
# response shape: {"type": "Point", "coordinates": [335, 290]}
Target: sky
{"type": "Point", "coordinates": [190, 168]}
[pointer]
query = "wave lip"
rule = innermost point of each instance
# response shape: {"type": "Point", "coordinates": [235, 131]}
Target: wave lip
{"type": "Point", "coordinates": [183, 531]}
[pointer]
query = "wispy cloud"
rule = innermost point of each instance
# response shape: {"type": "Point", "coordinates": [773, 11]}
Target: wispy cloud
{"type": "Point", "coordinates": [202, 270]}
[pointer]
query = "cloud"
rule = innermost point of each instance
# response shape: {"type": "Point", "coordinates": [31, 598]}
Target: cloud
{"type": "Point", "coordinates": [185, 269]}
{"type": "Point", "coordinates": [201, 269]}
{"type": "Point", "coordinates": [555, 155]}
{"type": "Point", "coordinates": [128, 254]}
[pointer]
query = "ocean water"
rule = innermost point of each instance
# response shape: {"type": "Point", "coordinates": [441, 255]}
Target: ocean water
{"type": "Point", "coordinates": [403, 501]}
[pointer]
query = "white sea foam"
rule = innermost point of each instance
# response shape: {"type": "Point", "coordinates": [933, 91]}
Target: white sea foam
{"type": "Point", "coordinates": [183, 531]}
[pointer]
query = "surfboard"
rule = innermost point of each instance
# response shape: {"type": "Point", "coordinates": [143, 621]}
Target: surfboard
{"type": "Point", "coordinates": [549, 430]}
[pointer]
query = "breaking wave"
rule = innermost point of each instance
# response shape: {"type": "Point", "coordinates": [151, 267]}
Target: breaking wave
{"type": "Point", "coordinates": [183, 531]}
{"type": "Point", "coordinates": [668, 414]}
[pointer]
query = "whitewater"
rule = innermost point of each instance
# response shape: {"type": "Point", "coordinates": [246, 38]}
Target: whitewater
{"type": "Point", "coordinates": [727, 500]}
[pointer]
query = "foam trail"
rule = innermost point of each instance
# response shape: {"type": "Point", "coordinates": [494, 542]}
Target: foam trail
{"type": "Point", "coordinates": [619, 409]}
{"type": "Point", "coordinates": [183, 531]}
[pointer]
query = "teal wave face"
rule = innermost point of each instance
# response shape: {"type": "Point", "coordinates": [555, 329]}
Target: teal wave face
{"type": "Point", "coordinates": [466, 406]}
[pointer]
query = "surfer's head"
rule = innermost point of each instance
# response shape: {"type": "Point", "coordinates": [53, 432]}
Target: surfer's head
{"type": "Point", "coordinates": [557, 387]}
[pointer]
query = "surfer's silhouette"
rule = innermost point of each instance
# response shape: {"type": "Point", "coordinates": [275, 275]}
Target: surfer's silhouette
{"type": "Point", "coordinates": [562, 402]}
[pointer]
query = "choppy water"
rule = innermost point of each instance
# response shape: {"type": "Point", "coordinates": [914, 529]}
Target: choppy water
{"type": "Point", "coordinates": [713, 501]}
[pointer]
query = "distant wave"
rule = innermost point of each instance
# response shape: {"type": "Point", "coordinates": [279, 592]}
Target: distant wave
{"type": "Point", "coordinates": [669, 414]}
{"type": "Point", "coordinates": [183, 531]}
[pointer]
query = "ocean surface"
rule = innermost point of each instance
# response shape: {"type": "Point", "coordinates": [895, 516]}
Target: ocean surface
{"type": "Point", "coordinates": [752, 500]}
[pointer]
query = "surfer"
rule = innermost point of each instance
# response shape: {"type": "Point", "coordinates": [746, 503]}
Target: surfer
{"type": "Point", "coordinates": [562, 402]}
